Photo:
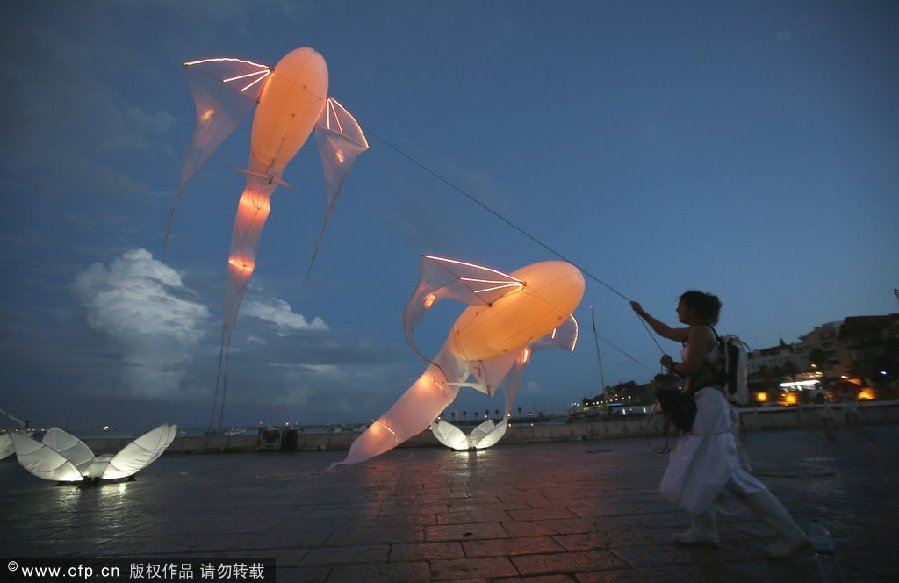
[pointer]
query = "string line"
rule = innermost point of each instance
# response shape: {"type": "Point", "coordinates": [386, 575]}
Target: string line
{"type": "Point", "coordinates": [520, 230]}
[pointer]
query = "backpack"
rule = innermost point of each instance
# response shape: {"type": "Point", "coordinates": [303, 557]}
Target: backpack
{"type": "Point", "coordinates": [733, 355]}
{"type": "Point", "coordinates": [727, 372]}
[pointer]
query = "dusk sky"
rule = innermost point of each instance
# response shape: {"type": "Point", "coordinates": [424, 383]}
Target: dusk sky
{"type": "Point", "coordinates": [750, 149]}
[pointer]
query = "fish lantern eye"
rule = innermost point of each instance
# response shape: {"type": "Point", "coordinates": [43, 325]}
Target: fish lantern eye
{"type": "Point", "coordinates": [429, 301]}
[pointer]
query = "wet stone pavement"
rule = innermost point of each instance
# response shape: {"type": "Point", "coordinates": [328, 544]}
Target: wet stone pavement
{"type": "Point", "coordinates": [580, 511]}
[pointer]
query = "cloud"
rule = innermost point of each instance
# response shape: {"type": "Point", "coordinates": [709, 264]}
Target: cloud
{"type": "Point", "coordinates": [141, 305]}
{"type": "Point", "coordinates": [279, 312]}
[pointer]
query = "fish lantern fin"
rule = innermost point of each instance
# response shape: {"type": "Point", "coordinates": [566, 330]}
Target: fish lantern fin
{"type": "Point", "coordinates": [450, 435]}
{"type": "Point", "coordinates": [277, 180]}
{"type": "Point", "coordinates": [491, 372]}
{"type": "Point", "coordinates": [514, 381]}
{"type": "Point", "coordinates": [563, 337]}
{"type": "Point", "coordinates": [479, 432]}
{"type": "Point", "coordinates": [6, 446]}
{"type": "Point", "coordinates": [486, 435]}
{"type": "Point", "coordinates": [140, 453]}
{"type": "Point", "coordinates": [225, 90]}
{"type": "Point", "coordinates": [443, 278]}
{"type": "Point", "coordinates": [43, 461]}
{"type": "Point", "coordinates": [340, 141]}
{"type": "Point", "coordinates": [69, 447]}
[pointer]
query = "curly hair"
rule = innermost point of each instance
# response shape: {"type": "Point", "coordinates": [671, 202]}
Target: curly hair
{"type": "Point", "coordinates": [704, 305]}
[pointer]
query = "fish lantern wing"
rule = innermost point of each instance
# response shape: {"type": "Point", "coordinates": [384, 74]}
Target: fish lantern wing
{"type": "Point", "coordinates": [340, 142]}
{"type": "Point", "coordinates": [70, 447]}
{"type": "Point", "coordinates": [140, 453]}
{"type": "Point", "coordinates": [225, 90]}
{"type": "Point", "coordinates": [443, 278]}
{"type": "Point", "coordinates": [43, 461]}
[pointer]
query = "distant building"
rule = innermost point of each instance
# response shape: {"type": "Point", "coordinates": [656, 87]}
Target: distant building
{"type": "Point", "coordinates": [823, 342]}
{"type": "Point", "coordinates": [780, 357]}
{"type": "Point", "coordinates": [867, 336]}
{"type": "Point", "coordinates": [865, 348]}
{"type": "Point", "coordinates": [869, 345]}
{"type": "Point", "coordinates": [851, 347]}
{"type": "Point", "coordinates": [623, 398]}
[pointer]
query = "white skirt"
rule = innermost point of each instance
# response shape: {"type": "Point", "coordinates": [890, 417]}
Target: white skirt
{"type": "Point", "coordinates": [705, 466]}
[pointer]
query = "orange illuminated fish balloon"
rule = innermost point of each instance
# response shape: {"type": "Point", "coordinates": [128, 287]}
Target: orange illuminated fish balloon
{"type": "Point", "coordinates": [508, 314]}
{"type": "Point", "coordinates": [290, 101]}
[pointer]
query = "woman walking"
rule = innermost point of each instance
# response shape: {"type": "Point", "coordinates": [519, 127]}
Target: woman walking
{"type": "Point", "coordinates": [705, 473]}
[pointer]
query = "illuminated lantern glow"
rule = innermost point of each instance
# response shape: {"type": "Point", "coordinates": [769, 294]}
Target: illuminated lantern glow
{"type": "Point", "coordinates": [508, 316]}
{"type": "Point", "coordinates": [521, 316]}
{"type": "Point", "coordinates": [526, 353]}
{"type": "Point", "coordinates": [290, 102]}
{"type": "Point", "coordinates": [62, 457]}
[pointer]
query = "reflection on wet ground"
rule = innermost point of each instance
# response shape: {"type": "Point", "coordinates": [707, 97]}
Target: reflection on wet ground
{"type": "Point", "coordinates": [584, 511]}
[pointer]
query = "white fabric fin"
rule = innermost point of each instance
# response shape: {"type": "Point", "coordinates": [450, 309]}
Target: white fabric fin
{"type": "Point", "coordinates": [6, 446]}
{"type": "Point", "coordinates": [42, 461]}
{"type": "Point", "coordinates": [140, 453]}
{"type": "Point", "coordinates": [340, 141]}
{"type": "Point", "coordinates": [494, 435]}
{"type": "Point", "coordinates": [225, 91]}
{"type": "Point", "coordinates": [70, 447]}
{"type": "Point", "coordinates": [450, 435]}
{"type": "Point", "coordinates": [491, 372]}
{"type": "Point", "coordinates": [443, 278]}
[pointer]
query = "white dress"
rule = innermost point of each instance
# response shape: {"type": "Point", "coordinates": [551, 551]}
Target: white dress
{"type": "Point", "coordinates": [705, 466]}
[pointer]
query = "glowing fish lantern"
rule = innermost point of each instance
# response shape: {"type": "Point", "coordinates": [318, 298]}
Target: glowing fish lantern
{"type": "Point", "coordinates": [507, 315]}
{"type": "Point", "coordinates": [290, 100]}
{"type": "Point", "coordinates": [62, 457]}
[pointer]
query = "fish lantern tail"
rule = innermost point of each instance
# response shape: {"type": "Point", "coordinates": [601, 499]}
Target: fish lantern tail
{"type": "Point", "coordinates": [413, 412]}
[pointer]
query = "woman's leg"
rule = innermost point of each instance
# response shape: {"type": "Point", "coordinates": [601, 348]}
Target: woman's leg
{"type": "Point", "coordinates": [790, 538]}
{"type": "Point", "coordinates": [703, 529]}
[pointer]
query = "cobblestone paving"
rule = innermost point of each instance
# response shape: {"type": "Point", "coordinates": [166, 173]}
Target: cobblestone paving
{"type": "Point", "coordinates": [579, 511]}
